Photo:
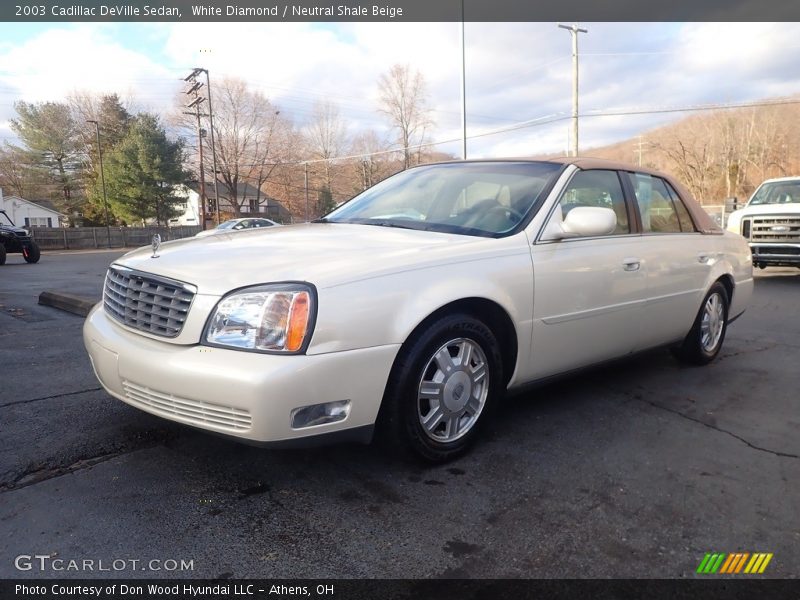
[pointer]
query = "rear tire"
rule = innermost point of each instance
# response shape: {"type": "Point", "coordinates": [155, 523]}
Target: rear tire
{"type": "Point", "coordinates": [705, 339]}
{"type": "Point", "coordinates": [443, 386]}
{"type": "Point", "coordinates": [2, 254]}
{"type": "Point", "coordinates": [33, 253]}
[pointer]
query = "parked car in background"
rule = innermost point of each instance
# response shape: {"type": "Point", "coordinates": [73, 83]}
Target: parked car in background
{"type": "Point", "coordinates": [406, 313]}
{"type": "Point", "coordinates": [238, 225]}
{"type": "Point", "coordinates": [16, 239]}
{"type": "Point", "coordinates": [770, 221]}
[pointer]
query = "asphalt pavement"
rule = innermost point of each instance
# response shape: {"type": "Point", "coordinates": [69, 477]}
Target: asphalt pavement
{"type": "Point", "coordinates": [632, 470]}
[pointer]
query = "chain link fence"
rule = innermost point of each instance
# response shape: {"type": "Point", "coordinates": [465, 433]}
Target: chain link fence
{"type": "Point", "coordinates": [84, 238]}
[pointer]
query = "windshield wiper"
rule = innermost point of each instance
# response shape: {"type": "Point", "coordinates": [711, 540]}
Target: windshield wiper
{"type": "Point", "coordinates": [387, 224]}
{"type": "Point", "coordinates": [321, 220]}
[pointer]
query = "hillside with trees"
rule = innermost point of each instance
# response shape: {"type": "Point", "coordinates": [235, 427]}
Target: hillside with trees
{"type": "Point", "coordinates": [720, 154]}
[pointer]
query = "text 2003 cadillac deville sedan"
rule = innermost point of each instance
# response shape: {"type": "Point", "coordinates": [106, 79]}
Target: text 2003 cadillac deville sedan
{"type": "Point", "coordinates": [413, 307]}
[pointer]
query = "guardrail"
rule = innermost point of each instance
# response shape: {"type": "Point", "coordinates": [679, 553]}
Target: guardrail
{"type": "Point", "coordinates": [83, 238]}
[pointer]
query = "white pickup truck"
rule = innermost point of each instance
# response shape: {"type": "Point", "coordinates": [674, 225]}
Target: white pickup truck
{"type": "Point", "coordinates": [770, 221]}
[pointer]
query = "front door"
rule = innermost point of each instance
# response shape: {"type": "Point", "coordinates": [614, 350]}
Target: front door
{"type": "Point", "coordinates": [589, 293]}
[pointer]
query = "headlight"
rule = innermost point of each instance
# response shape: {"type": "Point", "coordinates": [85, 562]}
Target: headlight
{"type": "Point", "coordinates": [266, 318]}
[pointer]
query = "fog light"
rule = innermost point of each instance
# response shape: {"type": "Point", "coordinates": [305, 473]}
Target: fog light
{"type": "Point", "coordinates": [320, 414]}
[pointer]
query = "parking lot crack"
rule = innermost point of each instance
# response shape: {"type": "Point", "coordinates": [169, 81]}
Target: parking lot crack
{"type": "Point", "coordinates": [41, 471]}
{"type": "Point", "coordinates": [719, 429]}
{"type": "Point", "coordinates": [53, 397]}
{"type": "Point", "coordinates": [38, 474]}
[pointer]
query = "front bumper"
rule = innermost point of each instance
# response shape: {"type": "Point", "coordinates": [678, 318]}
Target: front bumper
{"type": "Point", "coordinates": [246, 395]}
{"type": "Point", "coordinates": [775, 255]}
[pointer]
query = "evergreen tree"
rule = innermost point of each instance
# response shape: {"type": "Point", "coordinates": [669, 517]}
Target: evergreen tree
{"type": "Point", "coordinates": [114, 121]}
{"type": "Point", "coordinates": [142, 172]}
{"type": "Point", "coordinates": [52, 149]}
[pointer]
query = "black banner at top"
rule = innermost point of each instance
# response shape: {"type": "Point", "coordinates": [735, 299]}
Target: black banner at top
{"type": "Point", "coordinates": [399, 10]}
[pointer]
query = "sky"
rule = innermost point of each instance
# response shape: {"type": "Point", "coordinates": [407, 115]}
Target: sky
{"type": "Point", "coordinates": [516, 73]}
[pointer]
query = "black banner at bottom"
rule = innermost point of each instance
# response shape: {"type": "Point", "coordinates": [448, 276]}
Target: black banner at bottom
{"type": "Point", "coordinates": [399, 589]}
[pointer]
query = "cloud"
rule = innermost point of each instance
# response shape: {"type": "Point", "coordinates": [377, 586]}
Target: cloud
{"type": "Point", "coordinates": [86, 57]}
{"type": "Point", "coordinates": [515, 71]}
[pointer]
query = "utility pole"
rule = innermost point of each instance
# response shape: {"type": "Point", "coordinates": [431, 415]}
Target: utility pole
{"type": "Point", "coordinates": [194, 87]}
{"type": "Point", "coordinates": [103, 179]}
{"type": "Point", "coordinates": [639, 145]}
{"type": "Point", "coordinates": [574, 31]}
{"type": "Point", "coordinates": [306, 174]}
{"type": "Point", "coordinates": [198, 100]}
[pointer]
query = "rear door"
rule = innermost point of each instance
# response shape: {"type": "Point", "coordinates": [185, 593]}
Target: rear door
{"type": "Point", "coordinates": [679, 260]}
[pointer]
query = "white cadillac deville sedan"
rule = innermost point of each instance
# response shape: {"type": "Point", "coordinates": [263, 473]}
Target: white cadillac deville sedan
{"type": "Point", "coordinates": [406, 313]}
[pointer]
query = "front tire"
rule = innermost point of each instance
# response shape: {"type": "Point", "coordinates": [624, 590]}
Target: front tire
{"type": "Point", "coordinates": [442, 389]}
{"type": "Point", "coordinates": [2, 254]}
{"type": "Point", "coordinates": [32, 254]}
{"type": "Point", "coordinates": [704, 340]}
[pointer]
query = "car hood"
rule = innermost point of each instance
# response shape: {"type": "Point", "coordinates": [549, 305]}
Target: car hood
{"type": "Point", "coordinates": [15, 230]}
{"type": "Point", "coordinates": [768, 209]}
{"type": "Point", "coordinates": [320, 253]}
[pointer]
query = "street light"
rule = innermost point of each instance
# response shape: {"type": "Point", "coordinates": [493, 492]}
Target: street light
{"type": "Point", "coordinates": [103, 179]}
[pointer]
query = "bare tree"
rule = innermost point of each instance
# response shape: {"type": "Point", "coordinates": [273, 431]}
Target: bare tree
{"type": "Point", "coordinates": [244, 123]}
{"type": "Point", "coordinates": [270, 150]}
{"type": "Point", "coordinates": [403, 98]}
{"type": "Point", "coordinates": [370, 167]}
{"type": "Point", "coordinates": [15, 175]}
{"type": "Point", "coordinates": [326, 138]}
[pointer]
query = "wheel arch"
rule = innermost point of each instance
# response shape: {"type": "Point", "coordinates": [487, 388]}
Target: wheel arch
{"type": "Point", "coordinates": [727, 281]}
{"type": "Point", "coordinates": [492, 314]}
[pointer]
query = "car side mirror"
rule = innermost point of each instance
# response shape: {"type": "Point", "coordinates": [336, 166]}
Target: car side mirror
{"type": "Point", "coordinates": [583, 221]}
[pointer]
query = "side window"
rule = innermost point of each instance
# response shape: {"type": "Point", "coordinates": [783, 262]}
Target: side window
{"type": "Point", "coordinates": [655, 204]}
{"type": "Point", "coordinates": [596, 188]}
{"type": "Point", "coordinates": [683, 213]}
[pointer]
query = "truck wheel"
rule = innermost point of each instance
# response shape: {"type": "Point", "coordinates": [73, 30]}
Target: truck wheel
{"type": "Point", "coordinates": [31, 254]}
{"type": "Point", "coordinates": [705, 339]}
{"type": "Point", "coordinates": [444, 384]}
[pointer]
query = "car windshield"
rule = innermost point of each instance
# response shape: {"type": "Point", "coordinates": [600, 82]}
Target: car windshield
{"type": "Point", "coordinates": [777, 192]}
{"type": "Point", "coordinates": [5, 219]}
{"type": "Point", "coordinates": [480, 198]}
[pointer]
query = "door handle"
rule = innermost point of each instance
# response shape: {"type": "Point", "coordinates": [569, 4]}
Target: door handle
{"type": "Point", "coordinates": [704, 257]}
{"type": "Point", "coordinates": [631, 264]}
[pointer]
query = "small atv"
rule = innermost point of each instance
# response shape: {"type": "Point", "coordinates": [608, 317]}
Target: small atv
{"type": "Point", "coordinates": [16, 239]}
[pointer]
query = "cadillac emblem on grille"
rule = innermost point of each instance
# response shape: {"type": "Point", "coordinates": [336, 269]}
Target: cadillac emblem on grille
{"type": "Point", "coordinates": [156, 245]}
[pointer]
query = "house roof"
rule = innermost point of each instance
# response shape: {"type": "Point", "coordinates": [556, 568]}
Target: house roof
{"type": "Point", "coordinates": [243, 190]}
{"type": "Point", "coordinates": [43, 204]}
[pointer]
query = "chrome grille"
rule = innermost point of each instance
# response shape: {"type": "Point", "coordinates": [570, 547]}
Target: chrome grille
{"type": "Point", "coordinates": [202, 414]}
{"type": "Point", "coordinates": [147, 302]}
{"type": "Point", "coordinates": [778, 229]}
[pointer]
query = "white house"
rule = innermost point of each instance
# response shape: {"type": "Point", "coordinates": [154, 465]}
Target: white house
{"type": "Point", "coordinates": [190, 208]}
{"type": "Point", "coordinates": [27, 213]}
{"type": "Point", "coordinates": [253, 204]}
